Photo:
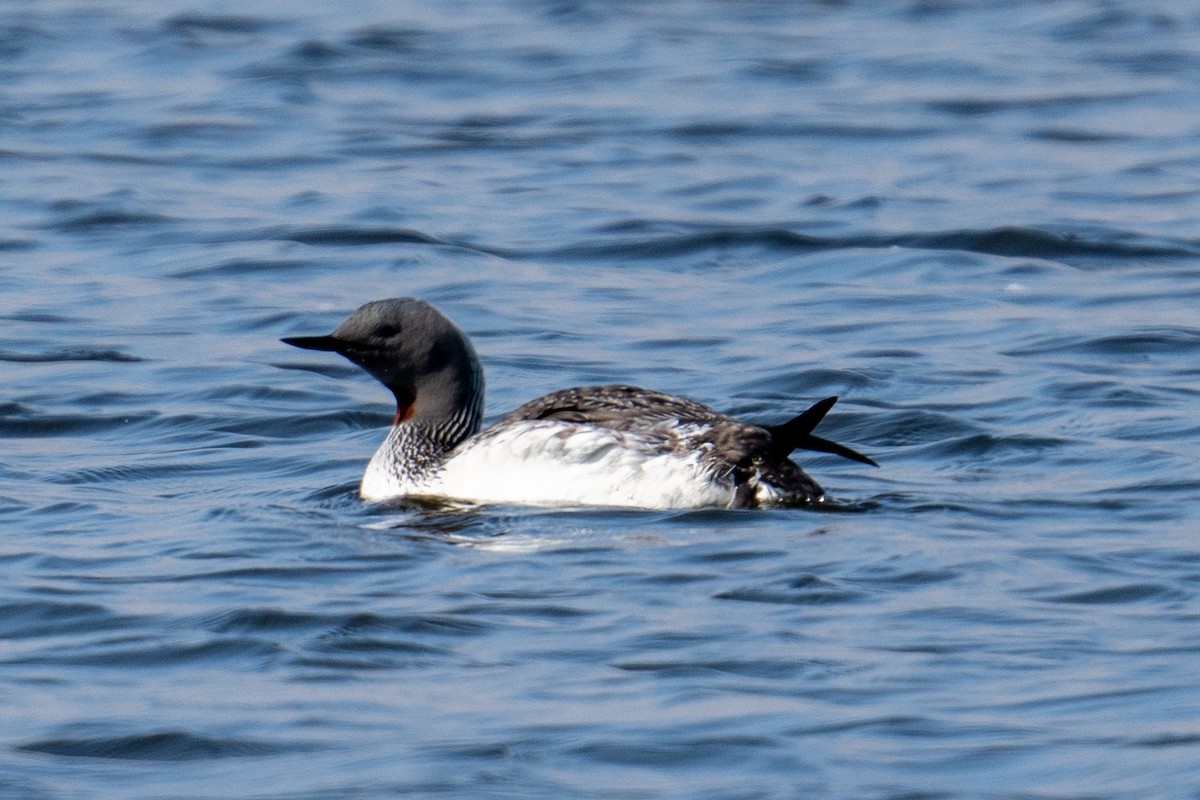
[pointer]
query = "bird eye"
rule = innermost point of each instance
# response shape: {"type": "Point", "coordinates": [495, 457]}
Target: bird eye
{"type": "Point", "coordinates": [387, 331]}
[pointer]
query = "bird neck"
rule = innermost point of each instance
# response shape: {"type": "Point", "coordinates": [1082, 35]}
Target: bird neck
{"type": "Point", "coordinates": [439, 412]}
{"type": "Point", "coordinates": [446, 407]}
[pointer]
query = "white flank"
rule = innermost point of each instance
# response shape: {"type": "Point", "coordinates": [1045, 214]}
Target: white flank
{"type": "Point", "coordinates": [548, 462]}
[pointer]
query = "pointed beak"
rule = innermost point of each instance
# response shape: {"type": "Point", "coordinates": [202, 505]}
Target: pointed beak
{"type": "Point", "coordinates": [326, 343]}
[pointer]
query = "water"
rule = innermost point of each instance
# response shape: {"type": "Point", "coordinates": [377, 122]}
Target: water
{"type": "Point", "coordinates": [976, 223]}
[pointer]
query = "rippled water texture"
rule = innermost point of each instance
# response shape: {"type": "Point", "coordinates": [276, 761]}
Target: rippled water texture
{"type": "Point", "coordinates": [978, 224]}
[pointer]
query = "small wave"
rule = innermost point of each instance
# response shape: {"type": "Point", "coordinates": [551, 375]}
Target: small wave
{"type": "Point", "coordinates": [770, 128]}
{"type": "Point", "coordinates": [778, 393]}
{"type": "Point", "coordinates": [1148, 341]}
{"type": "Point", "coordinates": [171, 745]}
{"type": "Point", "coordinates": [1037, 243]}
{"type": "Point", "coordinates": [341, 626]}
{"type": "Point", "coordinates": [682, 244]}
{"type": "Point", "coordinates": [775, 669]}
{"type": "Point", "coordinates": [196, 22]}
{"type": "Point", "coordinates": [902, 427]}
{"type": "Point", "coordinates": [897, 577]}
{"type": "Point", "coordinates": [25, 424]}
{"type": "Point", "coordinates": [178, 131]}
{"type": "Point", "coordinates": [303, 425]}
{"type": "Point", "coordinates": [981, 106]}
{"type": "Point", "coordinates": [156, 657]}
{"type": "Point", "coordinates": [1107, 393]}
{"type": "Point", "coordinates": [264, 620]}
{"type": "Point", "coordinates": [1123, 593]}
{"type": "Point", "coordinates": [37, 316]}
{"type": "Point", "coordinates": [352, 641]}
{"type": "Point", "coordinates": [975, 445]}
{"type": "Point", "coordinates": [49, 618]}
{"type": "Point", "coordinates": [1169, 740]}
{"type": "Point", "coordinates": [1058, 133]}
{"type": "Point", "coordinates": [1004, 241]}
{"type": "Point", "coordinates": [116, 473]}
{"type": "Point", "coordinates": [110, 218]}
{"type": "Point", "coordinates": [805, 590]}
{"type": "Point", "coordinates": [357, 237]}
{"type": "Point", "coordinates": [243, 266]}
{"type": "Point", "coordinates": [70, 354]}
{"type": "Point", "coordinates": [691, 752]}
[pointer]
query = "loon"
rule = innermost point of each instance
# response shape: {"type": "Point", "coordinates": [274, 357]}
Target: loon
{"type": "Point", "coordinates": [612, 445]}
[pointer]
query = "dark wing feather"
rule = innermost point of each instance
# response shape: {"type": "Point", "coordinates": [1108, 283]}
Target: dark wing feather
{"type": "Point", "coordinates": [721, 440]}
{"type": "Point", "coordinates": [616, 406]}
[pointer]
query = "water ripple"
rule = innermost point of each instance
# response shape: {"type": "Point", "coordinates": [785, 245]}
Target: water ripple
{"type": "Point", "coordinates": [168, 745]}
{"type": "Point", "coordinates": [357, 236]}
{"type": "Point", "coordinates": [992, 261]}
{"type": "Point", "coordinates": [68, 355]}
{"type": "Point", "coordinates": [1145, 342]}
{"type": "Point", "coordinates": [1005, 241]}
{"type": "Point", "coordinates": [33, 620]}
{"type": "Point", "coordinates": [1120, 594]}
{"type": "Point", "coordinates": [805, 590]}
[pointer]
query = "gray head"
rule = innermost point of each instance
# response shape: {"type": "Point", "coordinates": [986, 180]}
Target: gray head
{"type": "Point", "coordinates": [411, 348]}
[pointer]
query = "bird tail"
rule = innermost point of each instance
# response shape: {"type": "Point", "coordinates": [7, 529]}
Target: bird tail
{"type": "Point", "coordinates": [796, 434]}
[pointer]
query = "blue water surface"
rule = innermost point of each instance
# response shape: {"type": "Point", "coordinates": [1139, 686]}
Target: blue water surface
{"type": "Point", "coordinates": [978, 224]}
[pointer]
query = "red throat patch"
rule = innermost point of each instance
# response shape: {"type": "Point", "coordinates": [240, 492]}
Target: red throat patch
{"type": "Point", "coordinates": [403, 411]}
